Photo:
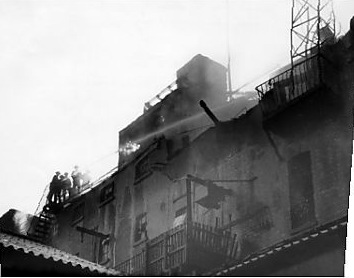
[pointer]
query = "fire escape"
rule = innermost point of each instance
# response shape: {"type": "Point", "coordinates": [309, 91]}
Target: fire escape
{"type": "Point", "coordinates": [43, 224]}
{"type": "Point", "coordinates": [44, 220]}
{"type": "Point", "coordinates": [190, 247]}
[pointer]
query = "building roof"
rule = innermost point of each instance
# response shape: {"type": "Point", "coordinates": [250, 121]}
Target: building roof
{"type": "Point", "coordinates": [306, 237]}
{"type": "Point", "coordinates": [40, 250]}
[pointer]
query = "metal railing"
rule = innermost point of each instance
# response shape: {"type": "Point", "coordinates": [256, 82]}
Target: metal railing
{"type": "Point", "coordinates": [171, 250]}
{"type": "Point", "coordinates": [284, 88]}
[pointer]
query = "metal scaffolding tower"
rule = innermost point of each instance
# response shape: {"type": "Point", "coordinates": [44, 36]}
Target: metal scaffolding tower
{"type": "Point", "coordinates": [312, 25]}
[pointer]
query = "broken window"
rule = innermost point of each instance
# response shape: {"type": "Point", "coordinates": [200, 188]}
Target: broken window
{"type": "Point", "coordinates": [78, 213]}
{"type": "Point", "coordinates": [302, 208]}
{"type": "Point", "coordinates": [107, 193]}
{"type": "Point", "coordinates": [140, 227]}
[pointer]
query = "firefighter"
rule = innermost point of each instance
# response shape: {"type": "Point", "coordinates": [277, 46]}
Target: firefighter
{"type": "Point", "coordinates": [61, 189]}
{"type": "Point", "coordinates": [67, 192]}
{"type": "Point", "coordinates": [76, 176]}
{"type": "Point", "coordinates": [54, 188]}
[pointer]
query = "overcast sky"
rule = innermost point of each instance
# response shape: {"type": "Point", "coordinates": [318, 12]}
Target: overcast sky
{"type": "Point", "coordinates": [73, 73]}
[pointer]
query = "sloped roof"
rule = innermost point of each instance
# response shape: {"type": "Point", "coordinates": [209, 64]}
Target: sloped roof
{"type": "Point", "coordinates": [37, 249]}
{"type": "Point", "coordinates": [289, 243]}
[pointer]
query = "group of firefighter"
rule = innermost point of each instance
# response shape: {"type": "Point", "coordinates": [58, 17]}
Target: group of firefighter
{"type": "Point", "coordinates": [61, 187]}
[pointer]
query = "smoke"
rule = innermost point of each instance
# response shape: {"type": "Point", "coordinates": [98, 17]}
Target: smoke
{"type": "Point", "coordinates": [22, 222]}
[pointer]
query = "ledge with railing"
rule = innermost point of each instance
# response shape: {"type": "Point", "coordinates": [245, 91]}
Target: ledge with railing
{"type": "Point", "coordinates": [183, 248]}
{"type": "Point", "coordinates": [283, 89]}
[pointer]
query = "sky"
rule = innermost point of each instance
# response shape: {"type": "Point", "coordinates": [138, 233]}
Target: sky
{"type": "Point", "coordinates": [74, 73]}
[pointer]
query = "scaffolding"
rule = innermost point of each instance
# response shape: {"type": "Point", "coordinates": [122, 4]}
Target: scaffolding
{"type": "Point", "coordinates": [312, 25]}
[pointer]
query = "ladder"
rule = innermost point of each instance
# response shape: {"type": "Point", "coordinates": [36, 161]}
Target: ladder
{"type": "Point", "coordinates": [43, 225]}
{"type": "Point", "coordinates": [43, 221]}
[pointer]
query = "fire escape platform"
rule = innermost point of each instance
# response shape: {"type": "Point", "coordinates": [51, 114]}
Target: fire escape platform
{"type": "Point", "coordinates": [185, 248]}
{"type": "Point", "coordinates": [290, 86]}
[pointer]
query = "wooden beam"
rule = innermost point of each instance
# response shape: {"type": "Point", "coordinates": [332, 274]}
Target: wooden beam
{"type": "Point", "coordinates": [91, 232]}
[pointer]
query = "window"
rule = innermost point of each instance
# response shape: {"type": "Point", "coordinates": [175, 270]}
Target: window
{"type": "Point", "coordinates": [180, 217]}
{"type": "Point", "coordinates": [103, 251]}
{"type": "Point", "coordinates": [140, 227]}
{"type": "Point", "coordinates": [107, 193]}
{"type": "Point", "coordinates": [126, 202]}
{"type": "Point", "coordinates": [302, 208]}
{"type": "Point", "coordinates": [142, 169]}
{"type": "Point", "coordinates": [78, 213]}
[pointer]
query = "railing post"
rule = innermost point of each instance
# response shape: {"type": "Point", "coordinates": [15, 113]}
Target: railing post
{"type": "Point", "coordinates": [189, 217]}
{"type": "Point", "coordinates": [165, 251]}
{"type": "Point", "coordinates": [146, 261]}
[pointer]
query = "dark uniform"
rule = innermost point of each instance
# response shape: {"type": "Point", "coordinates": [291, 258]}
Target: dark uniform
{"type": "Point", "coordinates": [61, 189]}
{"type": "Point", "coordinates": [67, 186]}
{"type": "Point", "coordinates": [54, 189]}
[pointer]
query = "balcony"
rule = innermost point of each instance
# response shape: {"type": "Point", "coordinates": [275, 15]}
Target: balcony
{"type": "Point", "coordinates": [183, 249]}
{"type": "Point", "coordinates": [289, 86]}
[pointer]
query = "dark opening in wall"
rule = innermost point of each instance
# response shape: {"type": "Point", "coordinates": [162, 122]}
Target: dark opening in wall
{"type": "Point", "coordinates": [78, 213]}
{"type": "Point", "coordinates": [107, 194]}
{"type": "Point", "coordinates": [142, 169]}
{"type": "Point", "coordinates": [140, 227]}
{"type": "Point", "coordinates": [103, 251]}
{"type": "Point", "coordinates": [302, 207]}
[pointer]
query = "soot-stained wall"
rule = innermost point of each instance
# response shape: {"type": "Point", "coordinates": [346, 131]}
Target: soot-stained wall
{"type": "Point", "coordinates": [296, 166]}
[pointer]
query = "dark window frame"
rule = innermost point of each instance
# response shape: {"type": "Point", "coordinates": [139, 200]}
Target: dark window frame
{"type": "Point", "coordinates": [78, 213]}
{"type": "Point", "coordinates": [142, 169]}
{"type": "Point", "coordinates": [106, 194]}
{"type": "Point", "coordinates": [181, 211]}
{"type": "Point", "coordinates": [140, 227]}
{"type": "Point", "coordinates": [301, 192]}
{"type": "Point", "coordinates": [103, 251]}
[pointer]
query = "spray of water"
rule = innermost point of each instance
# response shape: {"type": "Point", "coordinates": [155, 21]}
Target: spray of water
{"type": "Point", "coordinates": [134, 146]}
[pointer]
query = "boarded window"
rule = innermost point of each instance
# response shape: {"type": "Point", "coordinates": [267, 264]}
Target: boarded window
{"type": "Point", "coordinates": [107, 194]}
{"type": "Point", "coordinates": [78, 213]}
{"type": "Point", "coordinates": [302, 207]}
{"type": "Point", "coordinates": [140, 227]}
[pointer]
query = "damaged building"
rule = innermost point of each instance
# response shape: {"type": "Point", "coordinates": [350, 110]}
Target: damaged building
{"type": "Point", "coordinates": [206, 185]}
